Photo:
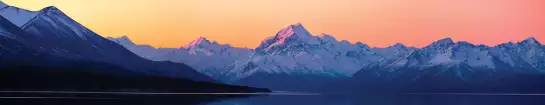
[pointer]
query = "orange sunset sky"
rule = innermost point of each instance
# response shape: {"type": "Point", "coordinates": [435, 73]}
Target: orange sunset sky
{"type": "Point", "coordinates": [245, 23]}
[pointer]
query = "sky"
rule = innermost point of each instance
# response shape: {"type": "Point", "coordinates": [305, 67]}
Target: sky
{"type": "Point", "coordinates": [245, 23]}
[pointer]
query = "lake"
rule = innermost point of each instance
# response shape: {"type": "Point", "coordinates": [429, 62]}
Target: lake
{"type": "Point", "coordinates": [406, 99]}
{"type": "Point", "coordinates": [301, 99]}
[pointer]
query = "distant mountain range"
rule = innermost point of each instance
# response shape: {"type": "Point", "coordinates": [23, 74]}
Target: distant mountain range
{"type": "Point", "coordinates": [48, 44]}
{"type": "Point", "coordinates": [291, 51]}
{"type": "Point", "coordinates": [527, 56]}
{"type": "Point", "coordinates": [46, 50]}
{"type": "Point", "coordinates": [294, 56]}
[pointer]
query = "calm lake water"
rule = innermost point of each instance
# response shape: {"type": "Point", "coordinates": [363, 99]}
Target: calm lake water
{"type": "Point", "coordinates": [386, 100]}
{"type": "Point", "coordinates": [435, 99]}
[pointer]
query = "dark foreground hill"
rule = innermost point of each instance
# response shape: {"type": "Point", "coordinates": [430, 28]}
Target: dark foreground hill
{"type": "Point", "coordinates": [78, 77]}
{"type": "Point", "coordinates": [35, 81]}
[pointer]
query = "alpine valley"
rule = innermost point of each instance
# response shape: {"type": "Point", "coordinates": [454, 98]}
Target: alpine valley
{"type": "Point", "coordinates": [295, 60]}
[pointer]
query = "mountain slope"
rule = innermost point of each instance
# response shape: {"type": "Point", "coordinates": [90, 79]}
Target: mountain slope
{"type": "Point", "coordinates": [17, 16]}
{"type": "Point", "coordinates": [12, 48]}
{"type": "Point", "coordinates": [527, 54]}
{"type": "Point", "coordinates": [83, 76]}
{"type": "Point", "coordinates": [53, 32]}
{"type": "Point", "coordinates": [23, 68]}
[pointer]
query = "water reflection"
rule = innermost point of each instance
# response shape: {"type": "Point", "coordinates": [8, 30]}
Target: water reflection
{"type": "Point", "coordinates": [298, 100]}
{"type": "Point", "coordinates": [384, 100]}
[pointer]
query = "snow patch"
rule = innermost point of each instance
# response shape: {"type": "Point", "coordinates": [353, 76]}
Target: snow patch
{"type": "Point", "coordinates": [16, 15]}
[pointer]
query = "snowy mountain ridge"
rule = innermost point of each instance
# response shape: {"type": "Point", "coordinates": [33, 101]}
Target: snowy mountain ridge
{"type": "Point", "coordinates": [208, 57]}
{"type": "Point", "coordinates": [294, 51]}
{"type": "Point", "coordinates": [463, 60]}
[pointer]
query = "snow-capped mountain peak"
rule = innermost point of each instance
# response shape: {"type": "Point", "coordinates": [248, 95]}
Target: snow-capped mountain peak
{"type": "Point", "coordinates": [530, 41]}
{"type": "Point", "coordinates": [123, 40]}
{"type": "Point", "coordinates": [293, 50]}
{"type": "Point", "coordinates": [59, 20]}
{"type": "Point", "coordinates": [507, 45]}
{"type": "Point", "coordinates": [124, 37]}
{"type": "Point", "coordinates": [292, 35]}
{"type": "Point", "coordinates": [345, 42]}
{"type": "Point", "coordinates": [327, 37]}
{"type": "Point", "coordinates": [201, 41]}
{"type": "Point", "coordinates": [142, 50]}
{"type": "Point", "coordinates": [294, 29]}
{"type": "Point", "coordinates": [49, 8]}
{"type": "Point", "coordinates": [361, 45]}
{"type": "Point", "coordinates": [442, 43]}
{"type": "Point", "coordinates": [206, 47]}
{"type": "Point", "coordinates": [52, 10]}
{"type": "Point", "coordinates": [464, 44]}
{"type": "Point", "coordinates": [398, 45]}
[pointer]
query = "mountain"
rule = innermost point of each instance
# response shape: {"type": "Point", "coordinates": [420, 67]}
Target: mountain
{"type": "Point", "coordinates": [294, 56]}
{"type": "Point", "coordinates": [444, 51]}
{"type": "Point", "coordinates": [526, 56]}
{"type": "Point", "coordinates": [210, 58]}
{"type": "Point", "coordinates": [145, 51]}
{"type": "Point", "coordinates": [12, 48]}
{"type": "Point", "coordinates": [52, 53]}
{"type": "Point", "coordinates": [16, 15]}
{"type": "Point", "coordinates": [448, 66]}
{"type": "Point", "coordinates": [24, 69]}
{"type": "Point", "coordinates": [296, 60]}
{"type": "Point", "coordinates": [53, 32]}
{"type": "Point", "coordinates": [293, 50]}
